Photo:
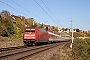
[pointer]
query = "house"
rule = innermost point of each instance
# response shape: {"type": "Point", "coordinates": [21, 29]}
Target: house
{"type": "Point", "coordinates": [46, 26]}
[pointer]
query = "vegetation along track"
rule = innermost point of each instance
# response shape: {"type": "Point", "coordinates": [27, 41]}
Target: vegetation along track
{"type": "Point", "coordinates": [25, 52]}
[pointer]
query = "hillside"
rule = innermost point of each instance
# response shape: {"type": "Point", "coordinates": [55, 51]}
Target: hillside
{"type": "Point", "coordinates": [12, 25]}
{"type": "Point", "coordinates": [80, 51]}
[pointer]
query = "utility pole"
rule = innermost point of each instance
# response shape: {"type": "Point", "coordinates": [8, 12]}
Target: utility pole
{"type": "Point", "coordinates": [72, 31]}
{"type": "Point", "coordinates": [72, 34]}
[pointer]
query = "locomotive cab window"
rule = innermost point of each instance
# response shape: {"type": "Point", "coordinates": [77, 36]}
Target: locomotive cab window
{"type": "Point", "coordinates": [30, 31]}
{"type": "Point", "coordinates": [27, 31]}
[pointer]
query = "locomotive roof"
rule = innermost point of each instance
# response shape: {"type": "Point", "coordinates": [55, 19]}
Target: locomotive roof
{"type": "Point", "coordinates": [32, 27]}
{"type": "Point", "coordinates": [53, 34]}
{"type": "Point", "coordinates": [35, 27]}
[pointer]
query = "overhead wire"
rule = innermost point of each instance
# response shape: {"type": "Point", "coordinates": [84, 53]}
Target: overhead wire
{"type": "Point", "coordinates": [18, 10]}
{"type": "Point", "coordinates": [45, 11]}
{"type": "Point", "coordinates": [49, 10]}
{"type": "Point", "coordinates": [52, 13]}
{"type": "Point", "coordinates": [26, 9]}
{"type": "Point", "coordinates": [13, 8]}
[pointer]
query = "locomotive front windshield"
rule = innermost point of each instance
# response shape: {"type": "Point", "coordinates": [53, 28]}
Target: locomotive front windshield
{"type": "Point", "coordinates": [30, 31]}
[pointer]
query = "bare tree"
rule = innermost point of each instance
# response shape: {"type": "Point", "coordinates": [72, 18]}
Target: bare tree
{"type": "Point", "coordinates": [5, 13]}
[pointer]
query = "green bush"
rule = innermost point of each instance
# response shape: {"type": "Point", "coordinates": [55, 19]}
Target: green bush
{"type": "Point", "coordinates": [19, 23]}
{"type": "Point", "coordinates": [9, 25]}
{"type": "Point", "coordinates": [81, 48]}
{"type": "Point", "coordinates": [3, 30]}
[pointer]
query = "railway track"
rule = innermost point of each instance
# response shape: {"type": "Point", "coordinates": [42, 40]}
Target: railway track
{"type": "Point", "coordinates": [11, 48]}
{"type": "Point", "coordinates": [21, 53]}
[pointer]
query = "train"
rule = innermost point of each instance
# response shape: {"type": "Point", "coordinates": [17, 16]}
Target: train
{"type": "Point", "coordinates": [34, 35]}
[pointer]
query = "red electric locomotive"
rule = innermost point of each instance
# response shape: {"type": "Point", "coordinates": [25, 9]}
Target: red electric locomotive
{"type": "Point", "coordinates": [33, 35]}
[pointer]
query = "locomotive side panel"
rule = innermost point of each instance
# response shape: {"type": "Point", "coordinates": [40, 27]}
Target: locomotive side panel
{"type": "Point", "coordinates": [43, 36]}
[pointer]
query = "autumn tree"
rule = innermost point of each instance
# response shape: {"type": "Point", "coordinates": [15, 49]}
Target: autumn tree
{"type": "Point", "coordinates": [9, 25]}
{"type": "Point", "coordinates": [63, 29]}
{"type": "Point", "coordinates": [52, 28]}
{"type": "Point", "coordinates": [30, 21]}
{"type": "Point", "coordinates": [39, 25]}
{"type": "Point", "coordinates": [56, 29]}
{"type": "Point", "coordinates": [18, 23]}
{"type": "Point", "coordinates": [3, 30]}
{"type": "Point", "coordinates": [6, 23]}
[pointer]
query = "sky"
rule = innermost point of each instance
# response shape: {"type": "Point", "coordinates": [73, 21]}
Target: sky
{"type": "Point", "coordinates": [58, 13]}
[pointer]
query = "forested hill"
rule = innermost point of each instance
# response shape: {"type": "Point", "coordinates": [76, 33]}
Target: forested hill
{"type": "Point", "coordinates": [13, 25]}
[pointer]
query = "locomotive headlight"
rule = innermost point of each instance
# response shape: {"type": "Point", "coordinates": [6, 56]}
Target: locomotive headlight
{"type": "Point", "coordinates": [33, 37]}
{"type": "Point", "coordinates": [26, 35]}
{"type": "Point", "coordinates": [30, 35]}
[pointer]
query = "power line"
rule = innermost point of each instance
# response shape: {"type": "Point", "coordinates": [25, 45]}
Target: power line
{"type": "Point", "coordinates": [40, 6]}
{"type": "Point", "coordinates": [13, 8]}
{"type": "Point", "coordinates": [52, 13]}
{"type": "Point", "coordinates": [49, 9]}
{"type": "Point", "coordinates": [45, 11]}
{"type": "Point", "coordinates": [18, 10]}
{"type": "Point", "coordinates": [26, 9]}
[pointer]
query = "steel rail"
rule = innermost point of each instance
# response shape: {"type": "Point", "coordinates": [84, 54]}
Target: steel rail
{"type": "Point", "coordinates": [11, 48]}
{"type": "Point", "coordinates": [19, 54]}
